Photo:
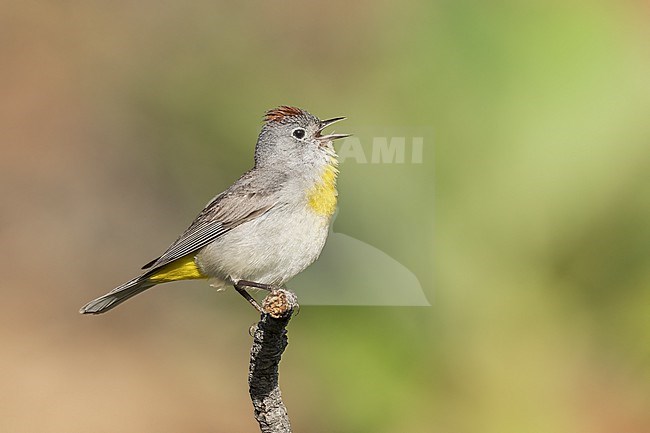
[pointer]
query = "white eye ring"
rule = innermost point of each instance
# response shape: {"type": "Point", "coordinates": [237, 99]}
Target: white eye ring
{"type": "Point", "coordinates": [298, 133]}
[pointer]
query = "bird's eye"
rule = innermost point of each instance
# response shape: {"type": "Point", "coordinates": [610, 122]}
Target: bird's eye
{"type": "Point", "coordinates": [299, 133]}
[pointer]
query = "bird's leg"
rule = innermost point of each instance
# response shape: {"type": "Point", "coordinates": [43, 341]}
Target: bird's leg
{"type": "Point", "coordinates": [246, 283]}
{"type": "Point", "coordinates": [240, 289]}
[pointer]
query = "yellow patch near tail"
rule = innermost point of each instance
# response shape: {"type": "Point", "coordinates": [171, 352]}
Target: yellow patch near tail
{"type": "Point", "coordinates": [323, 196]}
{"type": "Point", "coordinates": [184, 268]}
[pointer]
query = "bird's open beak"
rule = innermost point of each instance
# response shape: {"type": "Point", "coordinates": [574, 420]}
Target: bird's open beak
{"type": "Point", "coordinates": [324, 124]}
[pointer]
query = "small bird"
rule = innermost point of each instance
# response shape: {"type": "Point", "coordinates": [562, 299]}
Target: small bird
{"type": "Point", "coordinates": [266, 228]}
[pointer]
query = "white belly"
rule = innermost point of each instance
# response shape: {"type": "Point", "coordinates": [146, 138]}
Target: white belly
{"type": "Point", "coordinates": [270, 249]}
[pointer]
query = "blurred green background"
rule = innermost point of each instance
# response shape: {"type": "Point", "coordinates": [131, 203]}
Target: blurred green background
{"type": "Point", "coordinates": [527, 224]}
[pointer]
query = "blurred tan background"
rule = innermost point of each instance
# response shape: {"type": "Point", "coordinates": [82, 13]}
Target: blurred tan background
{"type": "Point", "coordinates": [528, 223]}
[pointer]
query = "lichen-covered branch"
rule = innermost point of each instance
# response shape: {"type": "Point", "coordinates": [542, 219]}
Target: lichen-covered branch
{"type": "Point", "coordinates": [269, 342]}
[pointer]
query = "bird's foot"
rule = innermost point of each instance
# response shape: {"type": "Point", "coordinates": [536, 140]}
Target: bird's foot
{"type": "Point", "coordinates": [278, 302]}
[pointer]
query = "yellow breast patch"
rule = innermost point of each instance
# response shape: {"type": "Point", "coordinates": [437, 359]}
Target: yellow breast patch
{"type": "Point", "coordinates": [184, 268]}
{"type": "Point", "coordinates": [323, 196]}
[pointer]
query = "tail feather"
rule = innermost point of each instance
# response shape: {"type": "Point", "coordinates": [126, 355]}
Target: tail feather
{"type": "Point", "coordinates": [116, 296]}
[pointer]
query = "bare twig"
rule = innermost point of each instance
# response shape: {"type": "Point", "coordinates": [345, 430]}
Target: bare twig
{"type": "Point", "coordinates": [269, 342]}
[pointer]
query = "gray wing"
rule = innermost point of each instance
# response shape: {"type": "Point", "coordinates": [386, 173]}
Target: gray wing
{"type": "Point", "coordinates": [223, 213]}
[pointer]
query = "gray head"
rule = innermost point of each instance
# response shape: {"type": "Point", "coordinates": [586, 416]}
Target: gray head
{"type": "Point", "coordinates": [292, 137]}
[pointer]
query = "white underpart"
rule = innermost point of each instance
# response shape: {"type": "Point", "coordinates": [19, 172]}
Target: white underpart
{"type": "Point", "coordinates": [270, 249]}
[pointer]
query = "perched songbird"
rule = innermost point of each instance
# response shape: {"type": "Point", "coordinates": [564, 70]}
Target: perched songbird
{"type": "Point", "coordinates": [267, 227]}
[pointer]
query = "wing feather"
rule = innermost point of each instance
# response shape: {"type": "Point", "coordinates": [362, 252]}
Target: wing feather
{"type": "Point", "coordinates": [223, 213]}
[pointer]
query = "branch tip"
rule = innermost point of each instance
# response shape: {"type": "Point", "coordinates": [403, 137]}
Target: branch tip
{"type": "Point", "coordinates": [280, 303]}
